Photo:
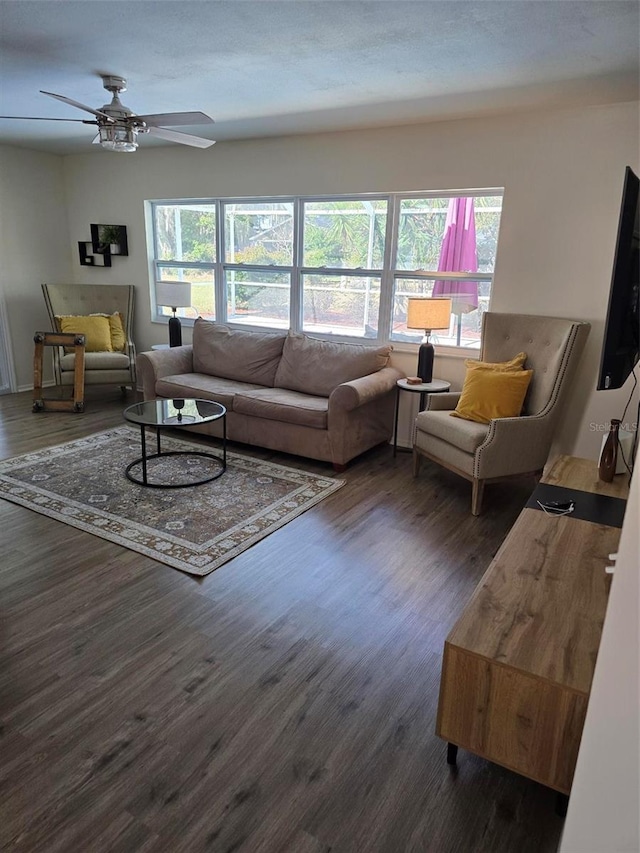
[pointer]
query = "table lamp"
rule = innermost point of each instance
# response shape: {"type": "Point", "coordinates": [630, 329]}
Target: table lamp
{"type": "Point", "coordinates": [428, 314]}
{"type": "Point", "coordinates": [174, 294]}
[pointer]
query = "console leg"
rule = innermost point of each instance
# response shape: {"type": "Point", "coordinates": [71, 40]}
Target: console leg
{"type": "Point", "coordinates": [562, 803]}
{"type": "Point", "coordinates": [452, 753]}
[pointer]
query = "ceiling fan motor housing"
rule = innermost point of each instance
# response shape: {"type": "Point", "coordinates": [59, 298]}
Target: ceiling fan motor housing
{"type": "Point", "coordinates": [115, 109]}
{"type": "Point", "coordinates": [120, 135]}
{"type": "Point", "coordinates": [114, 84]}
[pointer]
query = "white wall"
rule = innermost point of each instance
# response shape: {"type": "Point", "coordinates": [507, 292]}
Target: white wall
{"type": "Point", "coordinates": [34, 247]}
{"type": "Point", "coordinates": [604, 808]}
{"type": "Point", "coordinates": [562, 171]}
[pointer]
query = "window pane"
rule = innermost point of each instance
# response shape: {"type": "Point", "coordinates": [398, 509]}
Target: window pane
{"type": "Point", "coordinates": [344, 305]}
{"type": "Point", "coordinates": [186, 232]}
{"type": "Point", "coordinates": [259, 233]}
{"type": "Point", "coordinates": [423, 224]}
{"type": "Point", "coordinates": [488, 211]}
{"type": "Point", "coordinates": [346, 234]}
{"type": "Point", "coordinates": [420, 233]}
{"type": "Point", "coordinates": [258, 298]}
{"type": "Point", "coordinates": [202, 290]}
{"type": "Point", "coordinates": [465, 326]}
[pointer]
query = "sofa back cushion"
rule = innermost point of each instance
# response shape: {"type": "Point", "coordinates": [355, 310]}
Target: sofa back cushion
{"type": "Point", "coordinates": [317, 367]}
{"type": "Point", "coordinates": [236, 353]}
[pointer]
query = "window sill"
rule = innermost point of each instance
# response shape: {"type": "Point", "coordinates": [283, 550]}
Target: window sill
{"type": "Point", "coordinates": [440, 351]}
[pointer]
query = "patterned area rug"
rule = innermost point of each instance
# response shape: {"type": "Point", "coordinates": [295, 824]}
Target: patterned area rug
{"type": "Point", "coordinates": [83, 483]}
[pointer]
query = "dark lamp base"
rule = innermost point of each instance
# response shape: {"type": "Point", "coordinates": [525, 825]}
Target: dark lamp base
{"type": "Point", "coordinates": [175, 332]}
{"type": "Point", "coordinates": [425, 362]}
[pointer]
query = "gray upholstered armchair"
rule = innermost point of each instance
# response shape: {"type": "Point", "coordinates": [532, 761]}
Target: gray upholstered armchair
{"type": "Point", "coordinates": [101, 368]}
{"type": "Point", "coordinates": [506, 446]}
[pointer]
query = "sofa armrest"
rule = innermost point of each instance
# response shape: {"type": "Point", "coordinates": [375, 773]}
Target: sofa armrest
{"type": "Point", "coordinates": [156, 364]}
{"type": "Point", "coordinates": [443, 402]}
{"type": "Point", "coordinates": [514, 445]}
{"type": "Point", "coordinates": [357, 392]}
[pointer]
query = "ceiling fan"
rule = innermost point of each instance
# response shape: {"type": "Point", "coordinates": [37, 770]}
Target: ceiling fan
{"type": "Point", "coordinates": [118, 126]}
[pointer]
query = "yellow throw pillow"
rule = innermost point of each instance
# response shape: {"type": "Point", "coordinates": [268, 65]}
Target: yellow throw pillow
{"type": "Point", "coordinates": [118, 337]}
{"type": "Point", "coordinates": [95, 329]}
{"type": "Point", "coordinates": [488, 394]}
{"type": "Point", "coordinates": [516, 363]}
{"type": "Point", "coordinates": [116, 326]}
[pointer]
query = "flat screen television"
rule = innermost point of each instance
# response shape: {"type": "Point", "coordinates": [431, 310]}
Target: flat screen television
{"type": "Point", "coordinates": [621, 344]}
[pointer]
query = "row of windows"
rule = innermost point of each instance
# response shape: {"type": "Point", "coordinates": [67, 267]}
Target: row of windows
{"type": "Point", "coordinates": [332, 266]}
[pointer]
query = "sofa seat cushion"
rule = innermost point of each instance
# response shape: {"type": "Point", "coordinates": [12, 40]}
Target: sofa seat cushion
{"type": "Point", "coordinates": [236, 353]}
{"type": "Point", "coordinates": [279, 404]}
{"type": "Point", "coordinates": [465, 435]}
{"type": "Point", "coordinates": [97, 361]}
{"type": "Point", "coordinates": [200, 385]}
{"type": "Point", "coordinates": [317, 367]}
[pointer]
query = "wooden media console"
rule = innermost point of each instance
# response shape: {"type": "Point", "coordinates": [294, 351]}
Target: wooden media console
{"type": "Point", "coordinates": [518, 664]}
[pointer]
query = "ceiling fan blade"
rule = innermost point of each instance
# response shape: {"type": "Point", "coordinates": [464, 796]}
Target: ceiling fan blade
{"type": "Point", "coordinates": [77, 104]}
{"type": "Point", "coordinates": [175, 119]}
{"type": "Point", "coordinates": [184, 138]}
{"type": "Point", "coordinates": [40, 118]}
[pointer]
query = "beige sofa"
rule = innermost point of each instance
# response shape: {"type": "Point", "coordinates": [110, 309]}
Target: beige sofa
{"type": "Point", "coordinates": [288, 392]}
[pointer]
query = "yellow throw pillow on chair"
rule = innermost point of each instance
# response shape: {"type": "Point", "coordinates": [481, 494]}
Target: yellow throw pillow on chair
{"type": "Point", "coordinates": [116, 326]}
{"type": "Point", "coordinates": [488, 394]}
{"type": "Point", "coordinates": [118, 337]}
{"type": "Point", "coordinates": [516, 363]}
{"type": "Point", "coordinates": [96, 330]}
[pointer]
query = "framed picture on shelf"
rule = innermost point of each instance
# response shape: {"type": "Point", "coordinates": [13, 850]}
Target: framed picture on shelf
{"type": "Point", "coordinates": [109, 239]}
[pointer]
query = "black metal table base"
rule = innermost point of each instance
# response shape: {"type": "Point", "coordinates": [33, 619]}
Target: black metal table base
{"type": "Point", "coordinates": [160, 454]}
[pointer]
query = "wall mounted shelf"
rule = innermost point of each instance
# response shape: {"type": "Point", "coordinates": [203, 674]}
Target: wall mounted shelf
{"type": "Point", "coordinates": [107, 241]}
{"type": "Point", "coordinates": [89, 260]}
{"type": "Point", "coordinates": [109, 238]}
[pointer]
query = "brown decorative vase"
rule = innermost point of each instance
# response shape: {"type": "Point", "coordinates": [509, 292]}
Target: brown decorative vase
{"type": "Point", "coordinates": [609, 455]}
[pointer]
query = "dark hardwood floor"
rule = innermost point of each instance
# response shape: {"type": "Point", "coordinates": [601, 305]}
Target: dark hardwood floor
{"type": "Point", "coordinates": [286, 702]}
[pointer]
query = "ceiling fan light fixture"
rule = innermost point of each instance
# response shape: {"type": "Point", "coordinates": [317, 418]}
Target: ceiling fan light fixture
{"type": "Point", "coordinates": [115, 138]}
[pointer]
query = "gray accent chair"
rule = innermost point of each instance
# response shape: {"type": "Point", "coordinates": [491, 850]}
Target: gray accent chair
{"type": "Point", "coordinates": [101, 368]}
{"type": "Point", "coordinates": [505, 447]}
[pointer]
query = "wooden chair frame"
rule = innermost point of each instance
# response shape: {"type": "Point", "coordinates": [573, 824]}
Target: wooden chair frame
{"type": "Point", "coordinates": [59, 339]}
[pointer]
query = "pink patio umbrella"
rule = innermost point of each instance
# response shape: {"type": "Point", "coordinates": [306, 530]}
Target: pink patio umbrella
{"type": "Point", "coordinates": [459, 254]}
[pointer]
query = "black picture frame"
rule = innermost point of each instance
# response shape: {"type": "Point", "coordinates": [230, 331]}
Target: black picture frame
{"type": "Point", "coordinates": [110, 239]}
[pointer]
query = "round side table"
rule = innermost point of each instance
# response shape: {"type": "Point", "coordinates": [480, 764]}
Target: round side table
{"type": "Point", "coordinates": [436, 386]}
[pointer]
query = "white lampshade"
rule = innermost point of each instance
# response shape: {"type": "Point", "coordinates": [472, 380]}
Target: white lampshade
{"type": "Point", "coordinates": [173, 294]}
{"type": "Point", "coordinates": [428, 313]}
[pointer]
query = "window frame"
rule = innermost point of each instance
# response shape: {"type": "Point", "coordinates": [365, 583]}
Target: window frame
{"type": "Point", "coordinates": [388, 273]}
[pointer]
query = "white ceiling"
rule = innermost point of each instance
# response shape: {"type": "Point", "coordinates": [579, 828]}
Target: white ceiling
{"type": "Point", "coordinates": [266, 67]}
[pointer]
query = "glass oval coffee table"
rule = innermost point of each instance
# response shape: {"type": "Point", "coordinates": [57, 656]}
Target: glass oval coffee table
{"type": "Point", "coordinates": [168, 414]}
